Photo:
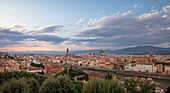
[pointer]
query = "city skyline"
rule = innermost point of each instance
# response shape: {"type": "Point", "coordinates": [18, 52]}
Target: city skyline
{"type": "Point", "coordinates": [41, 25]}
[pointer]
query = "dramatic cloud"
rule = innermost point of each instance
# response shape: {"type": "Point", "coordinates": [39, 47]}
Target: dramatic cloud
{"type": "Point", "coordinates": [14, 35]}
{"type": "Point", "coordinates": [118, 30]}
{"type": "Point", "coordinates": [128, 29]}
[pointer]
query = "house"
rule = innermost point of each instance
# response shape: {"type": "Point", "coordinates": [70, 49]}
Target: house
{"type": "Point", "coordinates": [159, 68]}
{"type": "Point", "coordinates": [34, 69]}
{"type": "Point", "coordinates": [159, 88]}
{"type": "Point", "coordinates": [167, 69]}
{"type": "Point", "coordinates": [140, 67]}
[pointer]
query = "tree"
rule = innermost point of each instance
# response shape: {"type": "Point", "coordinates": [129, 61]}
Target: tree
{"type": "Point", "coordinates": [104, 86]}
{"type": "Point", "coordinates": [78, 86]}
{"type": "Point", "coordinates": [137, 86]}
{"type": "Point", "coordinates": [37, 65]}
{"type": "Point", "coordinates": [61, 84]}
{"type": "Point", "coordinates": [33, 84]}
{"type": "Point", "coordinates": [6, 76]}
{"type": "Point", "coordinates": [15, 86]}
{"type": "Point", "coordinates": [168, 89]}
{"type": "Point", "coordinates": [86, 77]}
{"type": "Point", "coordinates": [109, 77]}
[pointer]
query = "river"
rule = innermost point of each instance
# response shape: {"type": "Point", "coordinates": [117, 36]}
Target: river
{"type": "Point", "coordinates": [158, 80]}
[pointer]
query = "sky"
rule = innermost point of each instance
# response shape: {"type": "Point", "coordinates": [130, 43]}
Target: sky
{"type": "Point", "coordinates": [54, 25]}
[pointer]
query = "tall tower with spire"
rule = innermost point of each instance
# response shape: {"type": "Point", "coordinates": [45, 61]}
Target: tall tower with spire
{"type": "Point", "coordinates": [150, 55]}
{"type": "Point", "coordinates": [67, 52]}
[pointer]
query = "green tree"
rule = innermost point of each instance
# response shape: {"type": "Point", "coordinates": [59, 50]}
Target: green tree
{"type": "Point", "coordinates": [78, 86]}
{"type": "Point", "coordinates": [137, 86]}
{"type": "Point", "coordinates": [103, 86]}
{"type": "Point", "coordinates": [168, 89]}
{"type": "Point", "coordinates": [33, 84]}
{"type": "Point", "coordinates": [61, 84]}
{"type": "Point", "coordinates": [5, 76]}
{"type": "Point", "coordinates": [86, 77]}
{"type": "Point", "coordinates": [109, 77]}
{"type": "Point", "coordinates": [15, 86]}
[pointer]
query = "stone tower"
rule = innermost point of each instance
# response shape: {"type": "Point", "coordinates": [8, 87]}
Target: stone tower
{"type": "Point", "coordinates": [67, 52]}
{"type": "Point", "coordinates": [150, 55]}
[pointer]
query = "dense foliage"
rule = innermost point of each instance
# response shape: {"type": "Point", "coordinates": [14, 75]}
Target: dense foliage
{"type": "Point", "coordinates": [103, 86]}
{"type": "Point", "coordinates": [37, 65]}
{"type": "Point", "coordinates": [9, 75]}
{"type": "Point", "coordinates": [135, 86]}
{"type": "Point", "coordinates": [78, 86]}
{"type": "Point", "coordinates": [74, 72]}
{"type": "Point", "coordinates": [163, 63]}
{"type": "Point", "coordinates": [23, 82]}
{"type": "Point", "coordinates": [168, 89]}
{"type": "Point", "coordinates": [15, 86]}
{"type": "Point", "coordinates": [61, 84]}
{"type": "Point", "coordinates": [109, 77]}
{"type": "Point", "coordinates": [33, 84]}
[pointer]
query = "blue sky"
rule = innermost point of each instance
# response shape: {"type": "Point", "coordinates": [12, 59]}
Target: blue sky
{"type": "Point", "coordinates": [32, 25]}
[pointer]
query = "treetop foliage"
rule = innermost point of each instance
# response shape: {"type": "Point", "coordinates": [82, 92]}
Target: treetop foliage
{"type": "Point", "coordinates": [104, 86]}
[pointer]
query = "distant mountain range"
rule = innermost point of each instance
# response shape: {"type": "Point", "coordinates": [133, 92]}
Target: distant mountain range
{"type": "Point", "coordinates": [139, 50]}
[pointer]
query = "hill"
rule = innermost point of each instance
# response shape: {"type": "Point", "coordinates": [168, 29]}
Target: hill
{"type": "Point", "coordinates": [139, 50]}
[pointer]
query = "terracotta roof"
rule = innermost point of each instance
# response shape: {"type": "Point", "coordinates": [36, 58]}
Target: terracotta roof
{"type": "Point", "coordinates": [35, 68]}
{"type": "Point", "coordinates": [79, 76]}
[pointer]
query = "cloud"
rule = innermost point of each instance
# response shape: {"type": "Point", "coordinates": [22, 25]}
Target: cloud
{"type": "Point", "coordinates": [138, 5]}
{"type": "Point", "coordinates": [127, 29]}
{"type": "Point", "coordinates": [14, 35]}
{"type": "Point", "coordinates": [135, 5]}
{"type": "Point", "coordinates": [109, 32]}
{"type": "Point", "coordinates": [50, 29]}
{"type": "Point", "coordinates": [165, 9]}
{"type": "Point", "coordinates": [80, 20]}
{"type": "Point", "coordinates": [149, 15]}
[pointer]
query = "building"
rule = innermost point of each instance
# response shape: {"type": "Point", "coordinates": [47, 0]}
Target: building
{"type": "Point", "coordinates": [102, 52]}
{"type": "Point", "coordinates": [167, 69]}
{"type": "Point", "coordinates": [140, 59]}
{"type": "Point", "coordinates": [106, 65]}
{"type": "Point", "coordinates": [159, 68]}
{"type": "Point", "coordinates": [32, 69]}
{"type": "Point", "coordinates": [91, 53]}
{"type": "Point", "coordinates": [53, 69]}
{"type": "Point", "coordinates": [143, 59]}
{"type": "Point", "coordinates": [159, 88]}
{"type": "Point", "coordinates": [2, 67]}
{"type": "Point", "coordinates": [141, 67]}
{"type": "Point", "coordinates": [67, 52]}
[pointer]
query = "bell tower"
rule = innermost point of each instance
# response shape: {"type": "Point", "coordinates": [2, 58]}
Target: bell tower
{"type": "Point", "coordinates": [150, 55]}
{"type": "Point", "coordinates": [67, 52]}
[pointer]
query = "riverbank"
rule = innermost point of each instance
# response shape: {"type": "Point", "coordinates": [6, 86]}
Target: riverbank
{"type": "Point", "coordinates": [140, 74]}
{"type": "Point", "coordinates": [99, 70]}
{"type": "Point", "coordinates": [121, 74]}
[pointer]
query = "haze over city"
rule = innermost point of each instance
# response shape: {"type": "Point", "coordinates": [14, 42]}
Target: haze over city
{"type": "Point", "coordinates": [54, 25]}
